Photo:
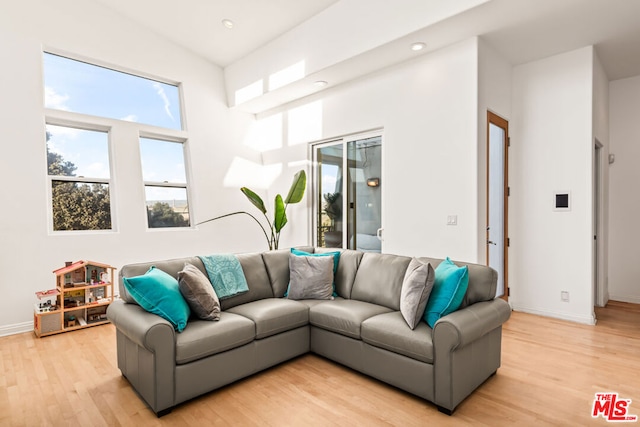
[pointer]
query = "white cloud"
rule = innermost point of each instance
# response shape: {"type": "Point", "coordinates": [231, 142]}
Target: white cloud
{"type": "Point", "coordinates": [160, 91]}
{"type": "Point", "coordinates": [130, 118]}
{"type": "Point", "coordinates": [98, 169]}
{"type": "Point", "coordinates": [62, 133]}
{"type": "Point", "coordinates": [55, 100]}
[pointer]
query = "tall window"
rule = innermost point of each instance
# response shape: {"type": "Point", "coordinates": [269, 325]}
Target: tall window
{"type": "Point", "coordinates": [79, 175]}
{"type": "Point", "coordinates": [87, 108]}
{"type": "Point", "coordinates": [165, 183]}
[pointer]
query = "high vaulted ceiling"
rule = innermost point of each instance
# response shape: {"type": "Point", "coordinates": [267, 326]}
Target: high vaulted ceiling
{"type": "Point", "coordinates": [521, 30]}
{"type": "Point", "coordinates": [197, 24]}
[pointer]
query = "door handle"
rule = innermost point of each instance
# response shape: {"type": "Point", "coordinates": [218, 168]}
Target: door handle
{"type": "Point", "coordinates": [489, 242]}
{"type": "Point", "coordinates": [379, 234]}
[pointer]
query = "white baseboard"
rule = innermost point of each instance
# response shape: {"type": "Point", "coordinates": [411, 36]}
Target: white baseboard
{"type": "Point", "coordinates": [587, 320]}
{"type": "Point", "coordinates": [16, 328]}
{"type": "Point", "coordinates": [625, 298]}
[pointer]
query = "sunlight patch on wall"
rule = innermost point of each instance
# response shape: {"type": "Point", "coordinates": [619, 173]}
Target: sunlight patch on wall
{"type": "Point", "coordinates": [287, 75]}
{"type": "Point", "coordinates": [265, 134]}
{"type": "Point", "coordinates": [299, 163]}
{"type": "Point", "coordinates": [305, 123]}
{"type": "Point", "coordinates": [251, 91]}
{"type": "Point", "coordinates": [245, 173]}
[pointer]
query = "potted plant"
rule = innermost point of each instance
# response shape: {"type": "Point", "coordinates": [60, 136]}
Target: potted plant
{"type": "Point", "coordinates": [274, 226]}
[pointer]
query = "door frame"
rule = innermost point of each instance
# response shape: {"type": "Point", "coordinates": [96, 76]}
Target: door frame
{"type": "Point", "coordinates": [496, 120]}
{"type": "Point", "coordinates": [600, 291]}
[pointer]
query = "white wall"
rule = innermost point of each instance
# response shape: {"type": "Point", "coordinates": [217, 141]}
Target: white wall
{"type": "Point", "coordinates": [428, 109]}
{"type": "Point", "coordinates": [29, 252]}
{"type": "Point", "coordinates": [624, 231]}
{"type": "Point", "coordinates": [551, 150]}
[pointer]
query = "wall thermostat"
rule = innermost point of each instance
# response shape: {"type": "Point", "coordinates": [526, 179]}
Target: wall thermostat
{"type": "Point", "coordinates": [562, 201]}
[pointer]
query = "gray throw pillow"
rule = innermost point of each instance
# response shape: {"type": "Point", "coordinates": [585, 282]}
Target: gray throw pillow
{"type": "Point", "coordinates": [197, 290]}
{"type": "Point", "coordinates": [310, 277]}
{"type": "Point", "coordinates": [416, 288]}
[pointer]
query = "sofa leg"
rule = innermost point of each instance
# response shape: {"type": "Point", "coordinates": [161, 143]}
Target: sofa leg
{"type": "Point", "coordinates": [445, 410]}
{"type": "Point", "coordinates": [163, 412]}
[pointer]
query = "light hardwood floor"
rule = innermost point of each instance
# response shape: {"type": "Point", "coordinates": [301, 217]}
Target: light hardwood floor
{"type": "Point", "coordinates": [550, 371]}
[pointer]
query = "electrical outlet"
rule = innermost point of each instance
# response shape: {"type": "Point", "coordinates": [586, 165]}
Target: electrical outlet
{"type": "Point", "coordinates": [564, 296]}
{"type": "Point", "coordinates": [452, 220]}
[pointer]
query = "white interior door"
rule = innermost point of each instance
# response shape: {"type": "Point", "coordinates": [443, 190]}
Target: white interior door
{"type": "Point", "coordinates": [497, 192]}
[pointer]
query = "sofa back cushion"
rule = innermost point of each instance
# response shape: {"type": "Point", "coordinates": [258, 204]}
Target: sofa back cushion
{"type": "Point", "coordinates": [379, 279]}
{"type": "Point", "coordinates": [277, 265]}
{"type": "Point", "coordinates": [347, 269]}
{"type": "Point", "coordinates": [257, 279]}
{"type": "Point", "coordinates": [483, 281]}
{"type": "Point", "coordinates": [170, 267]}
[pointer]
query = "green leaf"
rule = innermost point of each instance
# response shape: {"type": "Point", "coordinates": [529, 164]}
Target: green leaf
{"type": "Point", "coordinates": [280, 218]}
{"type": "Point", "coordinates": [255, 199]}
{"type": "Point", "coordinates": [299, 184]}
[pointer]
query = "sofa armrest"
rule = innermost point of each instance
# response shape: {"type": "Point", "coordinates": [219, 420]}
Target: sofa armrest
{"type": "Point", "coordinates": [146, 346]}
{"type": "Point", "coordinates": [145, 329]}
{"type": "Point", "coordinates": [470, 323]}
{"type": "Point", "coordinates": [467, 347]}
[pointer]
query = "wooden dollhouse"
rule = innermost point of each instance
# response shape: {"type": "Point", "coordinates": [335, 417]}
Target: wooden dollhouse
{"type": "Point", "coordinates": [84, 290]}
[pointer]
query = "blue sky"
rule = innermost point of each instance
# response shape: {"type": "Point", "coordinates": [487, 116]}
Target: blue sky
{"type": "Point", "coordinates": [88, 150]}
{"type": "Point", "coordinates": [162, 161]}
{"type": "Point", "coordinates": [83, 88]}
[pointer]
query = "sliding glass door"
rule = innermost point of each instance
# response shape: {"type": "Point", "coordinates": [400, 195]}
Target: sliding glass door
{"type": "Point", "coordinates": [347, 193]}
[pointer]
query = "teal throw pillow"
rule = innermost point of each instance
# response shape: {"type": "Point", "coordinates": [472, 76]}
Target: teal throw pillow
{"type": "Point", "coordinates": [336, 260]}
{"type": "Point", "coordinates": [159, 293]}
{"type": "Point", "coordinates": [449, 288]}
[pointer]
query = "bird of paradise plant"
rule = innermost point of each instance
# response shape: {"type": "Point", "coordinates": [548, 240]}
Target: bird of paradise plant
{"type": "Point", "coordinates": [274, 227]}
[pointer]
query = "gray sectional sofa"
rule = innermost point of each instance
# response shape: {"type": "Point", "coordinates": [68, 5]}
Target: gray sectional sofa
{"type": "Point", "coordinates": [362, 328]}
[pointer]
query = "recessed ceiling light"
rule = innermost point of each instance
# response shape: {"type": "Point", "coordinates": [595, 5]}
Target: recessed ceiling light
{"type": "Point", "coordinates": [418, 46]}
{"type": "Point", "coordinates": [227, 23]}
{"type": "Point", "coordinates": [321, 83]}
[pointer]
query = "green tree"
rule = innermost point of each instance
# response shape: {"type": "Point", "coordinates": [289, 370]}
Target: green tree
{"type": "Point", "coordinates": [76, 205]}
{"type": "Point", "coordinates": [162, 215]}
{"type": "Point", "coordinates": [80, 206]}
{"type": "Point", "coordinates": [58, 166]}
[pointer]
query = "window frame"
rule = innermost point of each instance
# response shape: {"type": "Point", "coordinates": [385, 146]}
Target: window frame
{"type": "Point", "coordinates": [165, 184]}
{"type": "Point", "coordinates": [89, 126]}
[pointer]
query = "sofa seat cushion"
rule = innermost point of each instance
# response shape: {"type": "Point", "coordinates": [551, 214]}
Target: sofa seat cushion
{"type": "Point", "coordinates": [273, 315]}
{"type": "Point", "coordinates": [202, 338]}
{"type": "Point", "coordinates": [390, 332]}
{"type": "Point", "coordinates": [344, 316]}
